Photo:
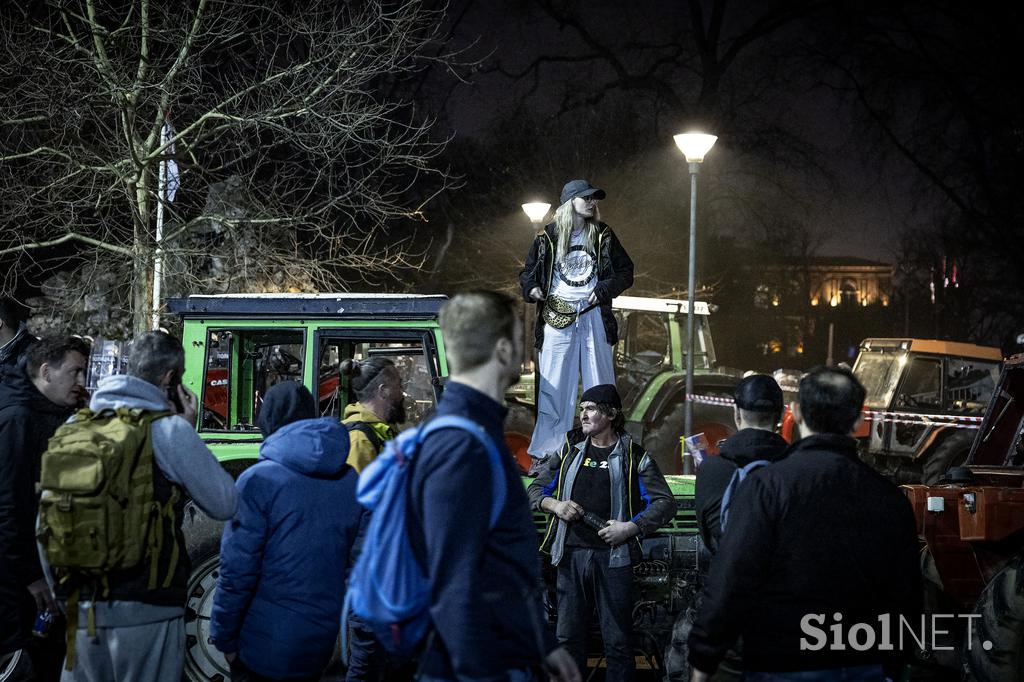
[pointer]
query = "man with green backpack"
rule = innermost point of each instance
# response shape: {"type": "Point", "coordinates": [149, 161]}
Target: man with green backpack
{"type": "Point", "coordinates": [114, 483]}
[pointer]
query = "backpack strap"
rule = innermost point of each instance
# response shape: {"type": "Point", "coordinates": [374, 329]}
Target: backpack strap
{"type": "Point", "coordinates": [498, 482]}
{"type": "Point", "coordinates": [734, 483]}
{"type": "Point", "coordinates": [368, 431]}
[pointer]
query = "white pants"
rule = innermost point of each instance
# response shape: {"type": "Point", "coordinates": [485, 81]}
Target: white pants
{"type": "Point", "coordinates": [578, 349]}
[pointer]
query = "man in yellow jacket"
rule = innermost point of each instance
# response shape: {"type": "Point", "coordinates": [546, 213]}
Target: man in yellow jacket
{"type": "Point", "coordinates": [380, 407]}
{"type": "Point", "coordinates": [371, 421]}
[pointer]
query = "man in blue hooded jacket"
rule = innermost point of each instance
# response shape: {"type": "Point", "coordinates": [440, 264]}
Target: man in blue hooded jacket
{"type": "Point", "coordinates": [282, 574]}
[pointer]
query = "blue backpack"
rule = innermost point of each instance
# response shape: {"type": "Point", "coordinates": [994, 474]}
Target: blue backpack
{"type": "Point", "coordinates": [734, 484]}
{"type": "Point", "coordinates": [387, 587]}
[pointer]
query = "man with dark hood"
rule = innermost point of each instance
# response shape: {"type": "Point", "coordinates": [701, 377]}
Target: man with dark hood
{"type": "Point", "coordinates": [281, 588]}
{"type": "Point", "coordinates": [575, 268]}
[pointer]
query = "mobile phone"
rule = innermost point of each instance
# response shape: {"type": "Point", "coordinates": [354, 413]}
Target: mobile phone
{"type": "Point", "coordinates": [172, 393]}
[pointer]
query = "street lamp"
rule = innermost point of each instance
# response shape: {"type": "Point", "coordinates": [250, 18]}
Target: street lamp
{"type": "Point", "coordinates": [536, 211]}
{"type": "Point", "coordinates": [695, 147]}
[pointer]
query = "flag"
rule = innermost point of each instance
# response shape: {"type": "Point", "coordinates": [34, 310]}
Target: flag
{"type": "Point", "coordinates": [172, 178]}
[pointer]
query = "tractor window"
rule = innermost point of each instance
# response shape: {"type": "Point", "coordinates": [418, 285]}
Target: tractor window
{"type": "Point", "coordinates": [969, 385]}
{"type": "Point", "coordinates": [241, 365]}
{"type": "Point", "coordinates": [921, 387]}
{"type": "Point", "coordinates": [879, 372]}
{"type": "Point", "coordinates": [643, 350]}
{"type": "Point", "coordinates": [409, 358]}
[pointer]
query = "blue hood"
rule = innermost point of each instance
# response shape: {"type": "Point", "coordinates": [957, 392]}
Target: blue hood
{"type": "Point", "coordinates": [314, 447]}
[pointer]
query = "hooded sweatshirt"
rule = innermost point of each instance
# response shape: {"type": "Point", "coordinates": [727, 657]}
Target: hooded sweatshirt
{"type": "Point", "coordinates": [362, 451]}
{"type": "Point", "coordinates": [284, 556]}
{"type": "Point", "coordinates": [183, 460]}
{"type": "Point", "coordinates": [27, 420]}
{"type": "Point", "coordinates": [713, 476]}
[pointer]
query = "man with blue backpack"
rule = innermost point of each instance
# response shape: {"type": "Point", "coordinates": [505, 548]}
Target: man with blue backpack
{"type": "Point", "coordinates": [450, 557]}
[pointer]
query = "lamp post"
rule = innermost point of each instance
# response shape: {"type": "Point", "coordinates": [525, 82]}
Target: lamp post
{"type": "Point", "coordinates": [536, 211]}
{"type": "Point", "coordinates": [694, 146]}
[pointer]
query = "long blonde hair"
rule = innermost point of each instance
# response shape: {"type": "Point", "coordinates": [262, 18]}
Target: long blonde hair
{"type": "Point", "coordinates": [564, 215]}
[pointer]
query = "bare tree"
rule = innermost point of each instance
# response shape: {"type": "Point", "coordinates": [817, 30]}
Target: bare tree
{"type": "Point", "coordinates": [292, 163]}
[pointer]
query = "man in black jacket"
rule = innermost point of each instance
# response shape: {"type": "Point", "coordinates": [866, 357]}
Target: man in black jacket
{"type": "Point", "coordinates": [603, 492]}
{"type": "Point", "coordinates": [573, 271]}
{"type": "Point", "coordinates": [816, 534]}
{"type": "Point", "coordinates": [36, 397]}
{"type": "Point", "coordinates": [759, 405]}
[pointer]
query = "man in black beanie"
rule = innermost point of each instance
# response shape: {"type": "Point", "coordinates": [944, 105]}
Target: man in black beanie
{"type": "Point", "coordinates": [603, 493]}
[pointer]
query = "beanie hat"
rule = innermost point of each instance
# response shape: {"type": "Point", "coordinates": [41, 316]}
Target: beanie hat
{"type": "Point", "coordinates": [605, 394]}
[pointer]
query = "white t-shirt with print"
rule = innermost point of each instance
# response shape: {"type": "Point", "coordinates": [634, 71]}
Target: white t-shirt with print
{"type": "Point", "coordinates": [575, 276]}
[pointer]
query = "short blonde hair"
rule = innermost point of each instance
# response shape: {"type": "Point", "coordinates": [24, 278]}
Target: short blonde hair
{"type": "Point", "coordinates": [472, 323]}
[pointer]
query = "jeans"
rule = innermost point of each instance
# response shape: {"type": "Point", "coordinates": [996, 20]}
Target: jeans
{"type": "Point", "coordinates": [584, 582]}
{"type": "Point", "coordinates": [861, 673]}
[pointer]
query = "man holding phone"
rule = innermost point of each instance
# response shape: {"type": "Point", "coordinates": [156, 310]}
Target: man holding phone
{"type": "Point", "coordinates": [139, 630]}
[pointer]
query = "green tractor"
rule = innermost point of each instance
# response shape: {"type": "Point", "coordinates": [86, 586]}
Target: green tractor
{"type": "Point", "coordinates": [238, 346]}
{"type": "Point", "coordinates": [650, 371]}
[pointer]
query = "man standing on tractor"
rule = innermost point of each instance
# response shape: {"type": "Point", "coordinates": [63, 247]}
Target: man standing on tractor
{"type": "Point", "coordinates": [575, 268]}
{"type": "Point", "coordinates": [603, 493]}
{"type": "Point", "coordinates": [817, 538]}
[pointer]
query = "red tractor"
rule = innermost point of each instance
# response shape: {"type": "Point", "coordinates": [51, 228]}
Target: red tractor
{"type": "Point", "coordinates": [972, 523]}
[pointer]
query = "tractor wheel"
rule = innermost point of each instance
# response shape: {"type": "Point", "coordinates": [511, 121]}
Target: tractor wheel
{"type": "Point", "coordinates": [951, 452]}
{"type": "Point", "coordinates": [202, 537]}
{"type": "Point", "coordinates": [995, 651]}
{"type": "Point", "coordinates": [676, 656]}
{"type": "Point", "coordinates": [662, 440]}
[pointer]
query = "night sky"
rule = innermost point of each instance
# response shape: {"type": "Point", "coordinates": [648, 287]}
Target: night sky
{"type": "Point", "coordinates": [856, 202]}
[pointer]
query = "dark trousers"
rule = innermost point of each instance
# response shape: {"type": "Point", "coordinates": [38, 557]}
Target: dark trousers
{"type": "Point", "coordinates": [367, 658]}
{"type": "Point", "coordinates": [585, 582]}
{"type": "Point", "coordinates": [240, 673]}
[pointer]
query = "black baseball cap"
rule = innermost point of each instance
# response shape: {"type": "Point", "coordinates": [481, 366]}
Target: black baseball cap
{"type": "Point", "coordinates": [759, 393]}
{"type": "Point", "coordinates": [580, 188]}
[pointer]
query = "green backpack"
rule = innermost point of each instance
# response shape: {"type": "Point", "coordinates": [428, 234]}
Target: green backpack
{"type": "Point", "coordinates": [97, 513]}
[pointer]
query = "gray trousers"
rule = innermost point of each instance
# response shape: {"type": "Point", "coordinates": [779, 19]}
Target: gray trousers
{"type": "Point", "coordinates": [154, 652]}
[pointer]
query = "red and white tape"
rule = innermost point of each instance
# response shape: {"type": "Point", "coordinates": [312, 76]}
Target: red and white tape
{"type": "Point", "coordinates": [892, 417]}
